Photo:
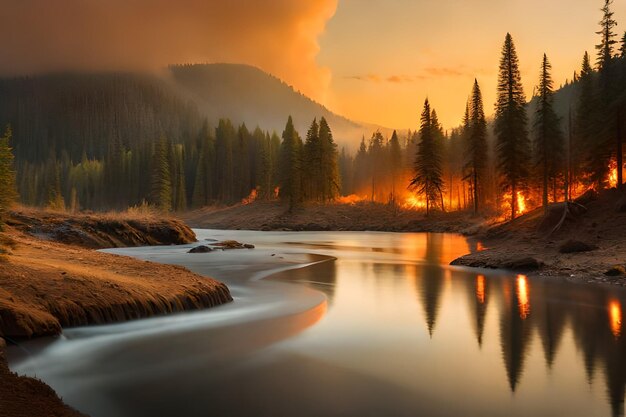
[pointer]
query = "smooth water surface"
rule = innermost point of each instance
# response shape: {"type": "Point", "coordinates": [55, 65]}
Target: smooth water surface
{"type": "Point", "coordinates": [350, 324]}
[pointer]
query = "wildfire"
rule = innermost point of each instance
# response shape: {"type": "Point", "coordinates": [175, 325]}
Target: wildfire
{"type": "Point", "coordinates": [521, 204]}
{"type": "Point", "coordinates": [615, 318]}
{"type": "Point", "coordinates": [522, 296]}
{"type": "Point", "coordinates": [350, 199]}
{"type": "Point", "coordinates": [251, 197]}
{"type": "Point", "coordinates": [413, 202]}
{"type": "Point", "coordinates": [612, 179]}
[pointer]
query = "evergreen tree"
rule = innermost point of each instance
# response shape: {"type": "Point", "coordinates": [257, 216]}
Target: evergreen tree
{"type": "Point", "coordinates": [428, 174]}
{"type": "Point", "coordinates": [312, 163]}
{"type": "Point", "coordinates": [476, 153]}
{"type": "Point", "coordinates": [225, 137]}
{"type": "Point", "coordinates": [513, 146]}
{"type": "Point", "coordinates": [374, 153]}
{"type": "Point", "coordinates": [161, 181]}
{"type": "Point", "coordinates": [7, 175]}
{"type": "Point", "coordinates": [395, 162]}
{"type": "Point", "coordinates": [361, 168]}
{"type": "Point", "coordinates": [291, 166]}
{"type": "Point", "coordinates": [548, 134]}
{"type": "Point", "coordinates": [605, 47]}
{"type": "Point", "coordinates": [329, 169]}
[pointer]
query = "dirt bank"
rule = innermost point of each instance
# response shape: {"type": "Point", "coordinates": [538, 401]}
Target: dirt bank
{"type": "Point", "coordinates": [28, 397]}
{"type": "Point", "coordinates": [590, 246]}
{"type": "Point", "coordinates": [362, 216]}
{"type": "Point", "coordinates": [97, 231]}
{"type": "Point", "coordinates": [50, 279]}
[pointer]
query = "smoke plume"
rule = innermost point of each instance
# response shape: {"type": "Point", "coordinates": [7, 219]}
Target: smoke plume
{"type": "Point", "coordinates": [278, 36]}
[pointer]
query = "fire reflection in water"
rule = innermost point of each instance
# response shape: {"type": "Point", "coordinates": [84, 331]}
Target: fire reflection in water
{"type": "Point", "coordinates": [615, 318]}
{"type": "Point", "coordinates": [480, 289]}
{"type": "Point", "coordinates": [522, 296]}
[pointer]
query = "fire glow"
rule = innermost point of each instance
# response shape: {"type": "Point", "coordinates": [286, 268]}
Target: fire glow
{"type": "Point", "coordinates": [522, 296]}
{"type": "Point", "coordinates": [414, 202]}
{"type": "Point", "coordinates": [612, 178]}
{"type": "Point", "coordinates": [615, 318]}
{"type": "Point", "coordinates": [480, 289]}
{"type": "Point", "coordinates": [521, 203]}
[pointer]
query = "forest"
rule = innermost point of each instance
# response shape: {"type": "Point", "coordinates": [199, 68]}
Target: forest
{"type": "Point", "coordinates": [115, 140]}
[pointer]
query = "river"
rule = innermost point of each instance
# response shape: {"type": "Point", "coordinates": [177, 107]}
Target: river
{"type": "Point", "coordinates": [349, 324]}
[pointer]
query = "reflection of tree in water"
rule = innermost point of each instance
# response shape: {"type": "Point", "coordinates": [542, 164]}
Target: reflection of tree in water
{"type": "Point", "coordinates": [430, 280]}
{"type": "Point", "coordinates": [514, 332]}
{"type": "Point", "coordinates": [478, 294]}
{"type": "Point", "coordinates": [594, 316]}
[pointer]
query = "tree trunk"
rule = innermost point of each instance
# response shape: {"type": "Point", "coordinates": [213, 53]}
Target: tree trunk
{"type": "Point", "coordinates": [619, 153]}
{"type": "Point", "coordinates": [513, 201]}
{"type": "Point", "coordinates": [475, 192]}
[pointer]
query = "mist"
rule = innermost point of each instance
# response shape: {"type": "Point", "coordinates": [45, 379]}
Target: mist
{"type": "Point", "coordinates": [280, 37]}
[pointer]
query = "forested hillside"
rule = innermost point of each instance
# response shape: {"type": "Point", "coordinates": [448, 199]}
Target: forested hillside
{"type": "Point", "coordinates": [245, 94]}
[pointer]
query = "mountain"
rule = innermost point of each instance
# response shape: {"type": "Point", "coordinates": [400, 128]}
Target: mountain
{"type": "Point", "coordinates": [245, 94]}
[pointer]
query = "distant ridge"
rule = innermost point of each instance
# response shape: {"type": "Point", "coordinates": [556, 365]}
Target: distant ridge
{"type": "Point", "coordinates": [244, 93]}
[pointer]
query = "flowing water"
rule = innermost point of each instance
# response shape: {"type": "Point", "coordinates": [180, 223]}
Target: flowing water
{"type": "Point", "coordinates": [350, 324]}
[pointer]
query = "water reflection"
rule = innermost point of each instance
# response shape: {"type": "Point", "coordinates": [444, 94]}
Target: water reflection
{"type": "Point", "coordinates": [404, 335]}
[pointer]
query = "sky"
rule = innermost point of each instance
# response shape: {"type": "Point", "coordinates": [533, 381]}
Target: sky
{"type": "Point", "coordinates": [370, 60]}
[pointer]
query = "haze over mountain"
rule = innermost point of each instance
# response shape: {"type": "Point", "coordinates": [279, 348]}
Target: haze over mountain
{"type": "Point", "coordinates": [245, 94]}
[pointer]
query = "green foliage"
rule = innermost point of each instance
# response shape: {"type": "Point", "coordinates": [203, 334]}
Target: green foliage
{"type": "Point", "coordinates": [291, 166]}
{"type": "Point", "coordinates": [548, 143]}
{"type": "Point", "coordinates": [7, 175]}
{"type": "Point", "coordinates": [428, 171]}
{"type": "Point", "coordinates": [475, 127]}
{"type": "Point", "coordinates": [161, 180]}
{"type": "Point", "coordinates": [512, 143]}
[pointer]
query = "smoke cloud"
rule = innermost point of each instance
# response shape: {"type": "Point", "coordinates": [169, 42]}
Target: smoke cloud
{"type": "Point", "coordinates": [278, 36]}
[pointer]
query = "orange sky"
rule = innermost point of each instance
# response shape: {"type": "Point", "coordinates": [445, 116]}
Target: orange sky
{"type": "Point", "coordinates": [370, 60]}
{"type": "Point", "coordinates": [386, 56]}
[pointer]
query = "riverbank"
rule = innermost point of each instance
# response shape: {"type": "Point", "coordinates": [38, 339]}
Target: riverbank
{"type": "Point", "coordinates": [361, 216]}
{"type": "Point", "coordinates": [589, 246]}
{"type": "Point", "coordinates": [51, 277]}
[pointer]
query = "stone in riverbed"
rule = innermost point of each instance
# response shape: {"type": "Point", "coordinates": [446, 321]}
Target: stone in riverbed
{"type": "Point", "coordinates": [575, 246]}
{"type": "Point", "coordinates": [522, 264]}
{"type": "Point", "coordinates": [616, 271]}
{"type": "Point", "coordinates": [200, 249]}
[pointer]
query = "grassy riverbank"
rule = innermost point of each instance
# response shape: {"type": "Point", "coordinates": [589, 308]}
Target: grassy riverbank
{"type": "Point", "coordinates": [51, 277]}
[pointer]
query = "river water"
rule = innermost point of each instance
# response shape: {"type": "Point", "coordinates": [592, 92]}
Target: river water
{"type": "Point", "coordinates": [349, 324]}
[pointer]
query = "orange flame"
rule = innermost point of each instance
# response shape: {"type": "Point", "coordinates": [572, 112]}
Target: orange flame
{"type": "Point", "coordinates": [522, 296]}
{"type": "Point", "coordinates": [615, 317]}
{"type": "Point", "coordinates": [521, 203]}
{"type": "Point", "coordinates": [251, 197]}
{"type": "Point", "coordinates": [612, 179]}
{"type": "Point", "coordinates": [480, 289]}
{"type": "Point", "coordinates": [413, 202]}
{"type": "Point", "coordinates": [350, 199]}
{"type": "Point", "coordinates": [276, 192]}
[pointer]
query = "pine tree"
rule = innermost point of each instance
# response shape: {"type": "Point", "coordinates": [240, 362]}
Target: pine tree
{"type": "Point", "coordinates": [225, 137]}
{"type": "Point", "coordinates": [7, 175]}
{"type": "Point", "coordinates": [361, 168]}
{"type": "Point", "coordinates": [311, 163]}
{"type": "Point", "coordinates": [605, 47]}
{"type": "Point", "coordinates": [476, 152]}
{"type": "Point", "coordinates": [395, 162]}
{"type": "Point", "coordinates": [328, 163]}
{"type": "Point", "coordinates": [609, 106]}
{"type": "Point", "coordinates": [548, 134]}
{"type": "Point", "coordinates": [622, 47]}
{"type": "Point", "coordinates": [428, 175]}
{"type": "Point", "coordinates": [291, 166]}
{"type": "Point", "coordinates": [161, 181]}
{"type": "Point", "coordinates": [513, 146]}
{"type": "Point", "coordinates": [374, 153]}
